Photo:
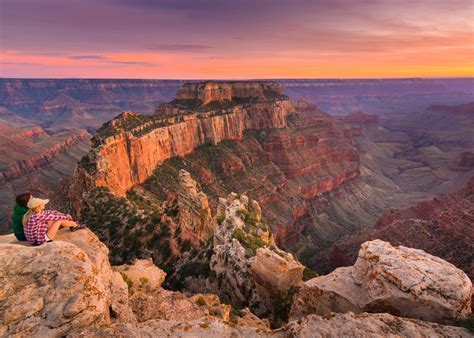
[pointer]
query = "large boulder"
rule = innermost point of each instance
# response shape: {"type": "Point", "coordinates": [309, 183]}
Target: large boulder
{"type": "Point", "coordinates": [47, 290]}
{"type": "Point", "coordinates": [398, 280]}
{"type": "Point", "coordinates": [275, 270]}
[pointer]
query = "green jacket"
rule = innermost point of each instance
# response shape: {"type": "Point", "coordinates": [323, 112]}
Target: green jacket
{"type": "Point", "coordinates": [17, 219]}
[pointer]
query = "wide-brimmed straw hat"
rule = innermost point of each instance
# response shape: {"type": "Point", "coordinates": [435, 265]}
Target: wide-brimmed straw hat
{"type": "Point", "coordinates": [36, 202]}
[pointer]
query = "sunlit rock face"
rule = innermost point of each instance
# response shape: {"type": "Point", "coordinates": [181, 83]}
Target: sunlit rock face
{"type": "Point", "coordinates": [127, 149]}
{"type": "Point", "coordinates": [398, 280]}
{"type": "Point", "coordinates": [219, 91]}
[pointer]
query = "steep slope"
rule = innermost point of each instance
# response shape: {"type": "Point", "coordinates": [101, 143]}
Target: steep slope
{"type": "Point", "coordinates": [442, 226]}
{"type": "Point", "coordinates": [259, 143]}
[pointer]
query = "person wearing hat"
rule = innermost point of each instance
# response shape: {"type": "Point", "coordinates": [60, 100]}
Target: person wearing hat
{"type": "Point", "coordinates": [42, 225]}
{"type": "Point", "coordinates": [19, 210]}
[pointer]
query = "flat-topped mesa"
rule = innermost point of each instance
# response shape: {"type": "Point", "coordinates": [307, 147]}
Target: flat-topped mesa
{"type": "Point", "coordinates": [126, 150]}
{"type": "Point", "coordinates": [210, 91]}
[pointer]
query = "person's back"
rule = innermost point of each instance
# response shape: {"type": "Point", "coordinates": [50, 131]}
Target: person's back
{"type": "Point", "coordinates": [19, 210]}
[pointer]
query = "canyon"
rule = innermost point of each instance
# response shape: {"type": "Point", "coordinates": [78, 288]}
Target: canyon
{"type": "Point", "coordinates": [441, 226]}
{"type": "Point", "coordinates": [217, 213]}
{"type": "Point", "coordinates": [279, 153]}
{"type": "Point", "coordinates": [61, 105]}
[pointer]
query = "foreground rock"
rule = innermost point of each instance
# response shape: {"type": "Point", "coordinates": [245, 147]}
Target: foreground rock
{"type": "Point", "coordinates": [68, 288]}
{"type": "Point", "coordinates": [401, 281]}
{"type": "Point", "coordinates": [50, 289]}
{"type": "Point", "coordinates": [369, 325]}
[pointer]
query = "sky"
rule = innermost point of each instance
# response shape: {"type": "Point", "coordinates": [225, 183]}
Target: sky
{"type": "Point", "coordinates": [238, 39]}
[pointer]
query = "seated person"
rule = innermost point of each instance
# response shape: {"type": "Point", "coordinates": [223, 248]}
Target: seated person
{"type": "Point", "coordinates": [19, 210]}
{"type": "Point", "coordinates": [42, 225]}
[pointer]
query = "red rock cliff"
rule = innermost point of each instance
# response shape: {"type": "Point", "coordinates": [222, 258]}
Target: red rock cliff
{"type": "Point", "coordinates": [219, 91]}
{"type": "Point", "coordinates": [128, 149]}
{"type": "Point", "coordinates": [34, 158]}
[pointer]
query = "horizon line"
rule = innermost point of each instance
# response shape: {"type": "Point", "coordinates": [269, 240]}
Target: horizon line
{"type": "Point", "coordinates": [241, 79]}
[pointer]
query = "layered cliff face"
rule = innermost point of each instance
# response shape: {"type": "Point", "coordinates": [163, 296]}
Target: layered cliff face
{"type": "Point", "coordinates": [128, 149]}
{"type": "Point", "coordinates": [219, 91]}
{"type": "Point", "coordinates": [38, 150]}
{"type": "Point", "coordinates": [68, 104]}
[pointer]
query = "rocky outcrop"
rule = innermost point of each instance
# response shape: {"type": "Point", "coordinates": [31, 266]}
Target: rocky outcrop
{"type": "Point", "coordinates": [195, 219]}
{"type": "Point", "coordinates": [401, 281]}
{"type": "Point", "coordinates": [250, 269]}
{"type": "Point", "coordinates": [68, 286]}
{"type": "Point", "coordinates": [127, 149]}
{"type": "Point", "coordinates": [142, 273]}
{"type": "Point", "coordinates": [219, 91]}
{"type": "Point", "coordinates": [369, 325]}
{"type": "Point", "coordinates": [50, 289]}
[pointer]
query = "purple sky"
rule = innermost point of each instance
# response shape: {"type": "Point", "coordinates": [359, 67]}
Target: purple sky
{"type": "Point", "coordinates": [236, 39]}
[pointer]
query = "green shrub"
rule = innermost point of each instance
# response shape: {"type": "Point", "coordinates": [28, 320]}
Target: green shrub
{"type": "Point", "coordinates": [143, 281]}
{"type": "Point", "coordinates": [220, 219]}
{"type": "Point", "coordinates": [185, 245]}
{"type": "Point", "coordinates": [468, 323]}
{"type": "Point", "coordinates": [309, 274]}
{"type": "Point", "coordinates": [127, 280]}
{"type": "Point", "coordinates": [200, 301]}
{"type": "Point", "coordinates": [250, 242]}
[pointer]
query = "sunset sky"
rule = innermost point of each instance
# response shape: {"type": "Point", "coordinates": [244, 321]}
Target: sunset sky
{"type": "Point", "coordinates": [236, 39]}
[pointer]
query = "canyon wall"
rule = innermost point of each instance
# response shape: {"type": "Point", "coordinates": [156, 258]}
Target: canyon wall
{"type": "Point", "coordinates": [43, 158]}
{"type": "Point", "coordinates": [128, 156]}
{"type": "Point", "coordinates": [441, 226]}
{"type": "Point", "coordinates": [218, 91]}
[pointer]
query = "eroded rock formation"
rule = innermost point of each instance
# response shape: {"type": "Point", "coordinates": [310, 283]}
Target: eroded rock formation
{"type": "Point", "coordinates": [251, 270]}
{"type": "Point", "coordinates": [128, 148]}
{"type": "Point", "coordinates": [68, 288]}
{"type": "Point", "coordinates": [401, 281]}
{"type": "Point", "coordinates": [195, 219]}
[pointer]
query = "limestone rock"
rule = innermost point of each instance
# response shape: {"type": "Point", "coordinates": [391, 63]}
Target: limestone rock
{"type": "Point", "coordinates": [247, 319]}
{"type": "Point", "coordinates": [120, 308]}
{"type": "Point", "coordinates": [47, 290]}
{"type": "Point", "coordinates": [143, 274]}
{"type": "Point", "coordinates": [276, 270]}
{"type": "Point", "coordinates": [369, 325]}
{"type": "Point", "coordinates": [250, 268]}
{"type": "Point", "coordinates": [195, 219]}
{"type": "Point", "coordinates": [172, 305]}
{"type": "Point", "coordinates": [398, 280]}
{"type": "Point", "coordinates": [205, 327]}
